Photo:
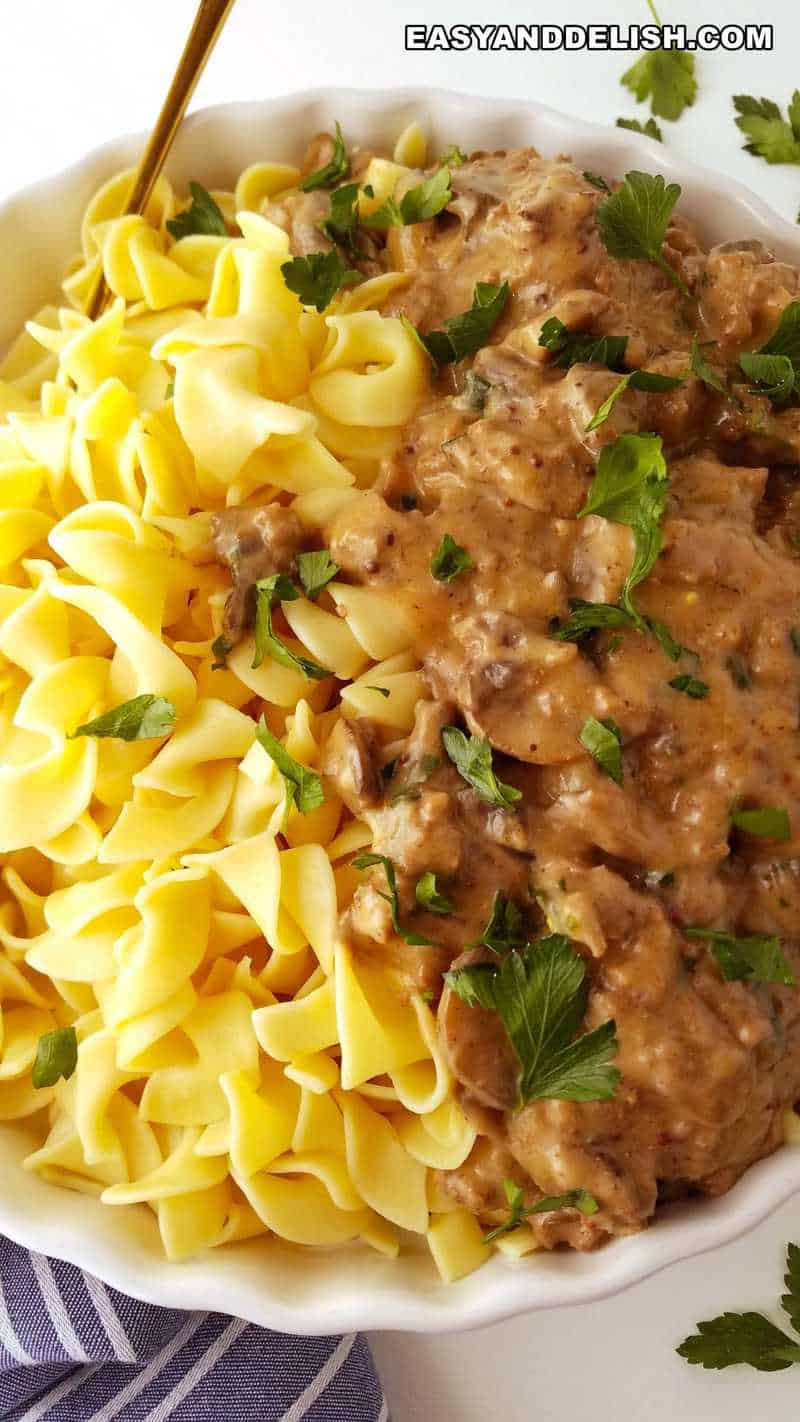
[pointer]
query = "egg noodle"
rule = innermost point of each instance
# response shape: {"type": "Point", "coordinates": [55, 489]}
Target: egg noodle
{"type": "Point", "coordinates": [240, 1070]}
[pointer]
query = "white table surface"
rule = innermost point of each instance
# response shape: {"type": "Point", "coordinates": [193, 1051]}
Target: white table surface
{"type": "Point", "coordinates": [76, 74]}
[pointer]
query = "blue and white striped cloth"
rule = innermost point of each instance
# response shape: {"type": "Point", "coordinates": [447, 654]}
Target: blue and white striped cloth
{"type": "Point", "coordinates": [74, 1350]}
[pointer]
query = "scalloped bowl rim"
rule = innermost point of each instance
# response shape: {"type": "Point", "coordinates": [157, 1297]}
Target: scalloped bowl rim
{"type": "Point", "coordinates": [264, 1280]}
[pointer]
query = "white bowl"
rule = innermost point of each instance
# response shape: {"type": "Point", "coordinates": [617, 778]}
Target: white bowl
{"type": "Point", "coordinates": [270, 1283]}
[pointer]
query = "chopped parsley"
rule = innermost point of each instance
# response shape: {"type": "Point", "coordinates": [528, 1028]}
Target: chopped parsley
{"type": "Point", "coordinates": [472, 758]}
{"type": "Point", "coordinates": [417, 205]}
{"type": "Point", "coordinates": [428, 896]}
{"type": "Point", "coordinates": [540, 994]}
{"type": "Point", "coordinates": [699, 366]}
{"type": "Point", "coordinates": [505, 928]}
{"type": "Point", "coordinates": [332, 172]}
{"type": "Point", "coordinates": [56, 1057]}
{"type": "Point", "coordinates": [647, 380]}
{"type": "Point", "coordinates": [767, 822]}
{"type": "Point", "coordinates": [366, 861]}
{"type": "Point", "coordinates": [750, 1337]}
{"type": "Point", "coordinates": [145, 718]}
{"type": "Point", "coordinates": [453, 157]}
{"type": "Point", "coordinates": [269, 591]}
{"type": "Point", "coordinates": [774, 368]}
{"type": "Point", "coordinates": [630, 487]}
{"type": "Point", "coordinates": [519, 1211]}
{"type": "Point", "coordinates": [650, 129]}
{"type": "Point", "coordinates": [603, 740]}
{"type": "Point", "coordinates": [341, 224]}
{"type": "Point", "coordinates": [317, 277]}
{"type": "Point", "coordinates": [573, 348]}
{"type": "Point", "coordinates": [303, 787]}
{"type": "Point", "coordinates": [690, 686]}
{"type": "Point", "coordinates": [316, 570]}
{"type": "Point", "coordinates": [757, 958]}
{"type": "Point", "coordinates": [464, 334]}
{"type": "Point", "coordinates": [768, 134]}
{"type": "Point", "coordinates": [633, 221]}
{"type": "Point", "coordinates": [450, 560]}
{"type": "Point", "coordinates": [597, 182]}
{"type": "Point", "coordinates": [203, 217]}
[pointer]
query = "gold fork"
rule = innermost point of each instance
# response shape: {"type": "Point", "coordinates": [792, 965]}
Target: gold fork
{"type": "Point", "coordinates": [208, 22]}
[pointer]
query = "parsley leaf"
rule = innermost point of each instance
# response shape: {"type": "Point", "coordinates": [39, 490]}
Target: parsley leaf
{"type": "Point", "coordinates": [450, 560]}
{"type": "Point", "coordinates": [648, 380]}
{"type": "Point", "coordinates": [767, 822]}
{"type": "Point", "coordinates": [650, 129]}
{"type": "Point", "coordinates": [317, 277]}
{"type": "Point", "coordinates": [428, 896]}
{"type": "Point", "coordinates": [316, 570]}
{"type": "Point", "coordinates": [56, 1056]}
{"type": "Point", "coordinates": [768, 134]}
{"type": "Point", "coordinates": [587, 617]}
{"type": "Point", "coordinates": [303, 787]}
{"type": "Point", "coordinates": [145, 718]}
{"type": "Point", "coordinates": [690, 686]}
{"type": "Point", "coordinates": [342, 221]}
{"type": "Point", "coordinates": [202, 216]}
{"type": "Point", "coordinates": [603, 740]}
{"type": "Point", "coordinates": [472, 759]}
{"type": "Point", "coordinates": [740, 1338]}
{"type": "Point", "coordinates": [630, 487]}
{"type": "Point", "coordinates": [597, 182]}
{"type": "Point", "coordinates": [221, 647]}
{"type": "Point", "coordinates": [699, 366]}
{"type": "Point", "coordinates": [666, 77]}
{"type": "Point", "coordinates": [540, 994]}
{"type": "Point", "coordinates": [453, 157]}
{"type": "Point", "coordinates": [757, 957]}
{"type": "Point", "coordinates": [337, 167]}
{"type": "Point", "coordinates": [633, 221]}
{"type": "Point", "coordinates": [278, 588]}
{"type": "Point", "coordinates": [572, 347]}
{"type": "Point", "coordinates": [464, 334]}
{"type": "Point", "coordinates": [505, 928]}
{"type": "Point", "coordinates": [771, 375]}
{"type": "Point", "coordinates": [365, 861]}
{"type": "Point", "coordinates": [417, 205]}
{"type": "Point", "coordinates": [775, 367]}
{"type": "Point", "coordinates": [519, 1211]}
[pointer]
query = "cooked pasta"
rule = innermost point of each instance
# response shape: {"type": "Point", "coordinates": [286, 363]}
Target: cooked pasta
{"type": "Point", "coordinates": [239, 1069]}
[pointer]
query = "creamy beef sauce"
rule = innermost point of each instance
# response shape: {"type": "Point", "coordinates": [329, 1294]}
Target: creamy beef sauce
{"type": "Point", "coordinates": [708, 1066]}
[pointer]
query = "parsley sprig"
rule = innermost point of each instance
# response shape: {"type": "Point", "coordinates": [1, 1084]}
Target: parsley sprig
{"type": "Point", "coordinates": [419, 204]}
{"type": "Point", "coordinates": [56, 1057]}
{"type": "Point", "coordinates": [472, 758]}
{"type": "Point", "coordinates": [603, 740]}
{"type": "Point", "coordinates": [145, 718]}
{"type": "Point", "coordinates": [202, 216]}
{"type": "Point", "coordinates": [633, 221]}
{"type": "Point", "coordinates": [269, 591]}
{"type": "Point", "coordinates": [366, 861]}
{"type": "Point", "coordinates": [756, 957]}
{"type": "Point", "coordinates": [540, 994]}
{"type": "Point", "coordinates": [774, 368]}
{"type": "Point", "coordinates": [428, 896]}
{"type": "Point", "coordinates": [504, 929]}
{"type": "Point", "coordinates": [519, 1211]}
{"type": "Point", "coordinates": [450, 560]}
{"type": "Point", "coordinates": [665, 77]}
{"type": "Point", "coordinates": [630, 487]}
{"type": "Point", "coordinates": [648, 129]}
{"type": "Point", "coordinates": [574, 347]}
{"type": "Point", "coordinates": [332, 172]}
{"type": "Point", "coordinates": [317, 277]}
{"type": "Point", "coordinates": [750, 1337]}
{"type": "Point", "coordinates": [302, 787]}
{"type": "Point", "coordinates": [316, 570]}
{"type": "Point", "coordinates": [465, 333]}
{"type": "Point", "coordinates": [768, 134]}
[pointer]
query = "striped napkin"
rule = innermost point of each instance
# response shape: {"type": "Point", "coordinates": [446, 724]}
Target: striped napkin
{"type": "Point", "coordinates": [74, 1350]}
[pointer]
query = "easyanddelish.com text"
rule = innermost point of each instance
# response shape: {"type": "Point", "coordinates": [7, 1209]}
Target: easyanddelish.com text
{"type": "Point", "coordinates": [594, 36]}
